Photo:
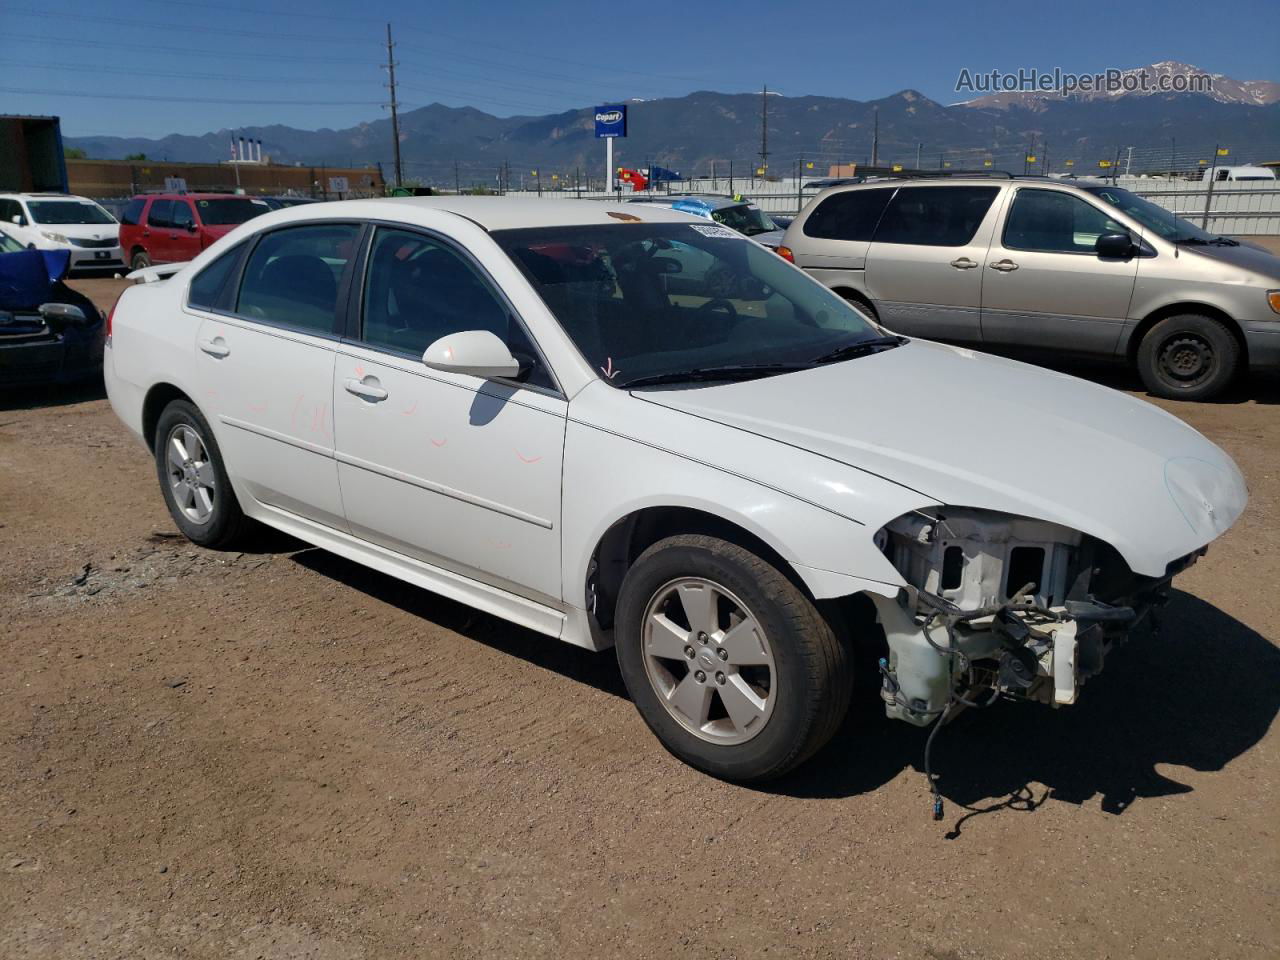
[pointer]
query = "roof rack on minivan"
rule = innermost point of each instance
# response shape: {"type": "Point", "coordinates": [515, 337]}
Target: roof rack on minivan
{"type": "Point", "coordinates": [944, 174]}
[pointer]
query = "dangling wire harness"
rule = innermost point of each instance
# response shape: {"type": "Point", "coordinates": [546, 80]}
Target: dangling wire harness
{"type": "Point", "coordinates": [950, 616]}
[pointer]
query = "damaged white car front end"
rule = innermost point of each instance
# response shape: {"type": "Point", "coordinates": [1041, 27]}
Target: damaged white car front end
{"type": "Point", "coordinates": [998, 604]}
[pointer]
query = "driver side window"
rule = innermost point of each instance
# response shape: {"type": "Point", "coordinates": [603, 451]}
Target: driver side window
{"type": "Point", "coordinates": [418, 289]}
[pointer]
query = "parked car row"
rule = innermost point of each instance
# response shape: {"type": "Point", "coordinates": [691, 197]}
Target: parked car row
{"type": "Point", "coordinates": [171, 227]}
{"type": "Point", "coordinates": [1051, 267]}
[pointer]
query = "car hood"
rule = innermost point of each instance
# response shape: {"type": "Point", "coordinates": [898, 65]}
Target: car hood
{"type": "Point", "coordinates": [968, 429]}
{"type": "Point", "coordinates": [1246, 256]}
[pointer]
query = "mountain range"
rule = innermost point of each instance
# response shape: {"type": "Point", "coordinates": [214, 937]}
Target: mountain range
{"type": "Point", "coordinates": [692, 132]}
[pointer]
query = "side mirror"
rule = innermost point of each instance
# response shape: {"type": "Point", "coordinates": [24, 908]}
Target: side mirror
{"type": "Point", "coordinates": [19, 220]}
{"type": "Point", "coordinates": [66, 312]}
{"type": "Point", "coordinates": [1114, 246]}
{"type": "Point", "coordinates": [191, 228]}
{"type": "Point", "coordinates": [478, 353]}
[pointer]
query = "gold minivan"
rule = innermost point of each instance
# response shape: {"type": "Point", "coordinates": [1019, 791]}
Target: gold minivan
{"type": "Point", "coordinates": [1051, 267]}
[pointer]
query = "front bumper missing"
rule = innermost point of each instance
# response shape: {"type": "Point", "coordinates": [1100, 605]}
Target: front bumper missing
{"type": "Point", "coordinates": [941, 656]}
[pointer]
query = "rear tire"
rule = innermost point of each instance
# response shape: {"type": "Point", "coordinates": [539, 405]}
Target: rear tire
{"type": "Point", "coordinates": [775, 680]}
{"type": "Point", "coordinates": [193, 479]}
{"type": "Point", "coordinates": [1188, 357]}
{"type": "Point", "coordinates": [141, 260]}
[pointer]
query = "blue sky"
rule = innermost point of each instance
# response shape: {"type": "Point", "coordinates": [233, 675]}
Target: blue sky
{"type": "Point", "coordinates": [169, 66]}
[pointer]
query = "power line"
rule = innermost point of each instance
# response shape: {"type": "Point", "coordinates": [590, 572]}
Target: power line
{"type": "Point", "coordinates": [151, 49]}
{"type": "Point", "coordinates": [161, 25]}
{"type": "Point", "coordinates": [230, 78]}
{"type": "Point", "coordinates": [139, 96]}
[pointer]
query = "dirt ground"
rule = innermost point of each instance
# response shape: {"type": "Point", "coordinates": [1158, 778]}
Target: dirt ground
{"type": "Point", "coordinates": [278, 754]}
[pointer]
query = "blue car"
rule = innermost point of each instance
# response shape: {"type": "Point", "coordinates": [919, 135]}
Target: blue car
{"type": "Point", "coordinates": [736, 213]}
{"type": "Point", "coordinates": [49, 333]}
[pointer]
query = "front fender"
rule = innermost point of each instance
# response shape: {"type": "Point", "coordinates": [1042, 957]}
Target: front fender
{"type": "Point", "coordinates": [607, 477]}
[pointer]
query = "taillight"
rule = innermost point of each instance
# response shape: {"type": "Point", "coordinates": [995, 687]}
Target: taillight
{"type": "Point", "coordinates": [110, 315]}
{"type": "Point", "coordinates": [786, 254]}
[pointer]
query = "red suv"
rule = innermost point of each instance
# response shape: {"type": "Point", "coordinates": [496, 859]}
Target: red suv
{"type": "Point", "coordinates": [175, 227]}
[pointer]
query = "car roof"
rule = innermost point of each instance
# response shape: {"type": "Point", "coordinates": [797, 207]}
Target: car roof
{"type": "Point", "coordinates": [503, 213]}
{"type": "Point", "coordinates": [197, 196]}
{"type": "Point", "coordinates": [42, 196]}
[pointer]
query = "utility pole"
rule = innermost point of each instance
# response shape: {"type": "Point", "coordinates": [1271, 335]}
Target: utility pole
{"type": "Point", "coordinates": [457, 182]}
{"type": "Point", "coordinates": [1128, 162]}
{"type": "Point", "coordinates": [875, 136]}
{"type": "Point", "coordinates": [1046, 158]}
{"type": "Point", "coordinates": [919, 147]}
{"type": "Point", "coordinates": [1026, 159]}
{"type": "Point", "coordinates": [1173, 155]}
{"type": "Point", "coordinates": [395, 116]}
{"type": "Point", "coordinates": [764, 129]}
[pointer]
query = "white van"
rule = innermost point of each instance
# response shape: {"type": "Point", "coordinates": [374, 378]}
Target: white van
{"type": "Point", "coordinates": [1231, 174]}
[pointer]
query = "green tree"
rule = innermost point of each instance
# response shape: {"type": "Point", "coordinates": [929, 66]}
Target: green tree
{"type": "Point", "coordinates": [75, 153]}
{"type": "Point", "coordinates": [136, 156]}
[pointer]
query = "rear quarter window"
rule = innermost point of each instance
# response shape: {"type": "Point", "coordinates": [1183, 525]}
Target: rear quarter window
{"type": "Point", "coordinates": [851, 215]}
{"type": "Point", "coordinates": [206, 288]}
{"type": "Point", "coordinates": [935, 216]}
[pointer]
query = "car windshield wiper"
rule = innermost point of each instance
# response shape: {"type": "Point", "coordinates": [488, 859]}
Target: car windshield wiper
{"type": "Point", "coordinates": [736, 371]}
{"type": "Point", "coordinates": [1225, 242]}
{"type": "Point", "coordinates": [851, 350]}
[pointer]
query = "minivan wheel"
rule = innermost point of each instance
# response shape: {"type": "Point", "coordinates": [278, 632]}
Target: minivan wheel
{"type": "Point", "coordinates": [727, 660]}
{"type": "Point", "coordinates": [193, 479]}
{"type": "Point", "coordinates": [141, 260]}
{"type": "Point", "coordinates": [1188, 357]}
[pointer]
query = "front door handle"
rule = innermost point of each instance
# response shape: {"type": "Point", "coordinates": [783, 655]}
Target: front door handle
{"type": "Point", "coordinates": [1004, 266]}
{"type": "Point", "coordinates": [217, 347]}
{"type": "Point", "coordinates": [369, 391]}
{"type": "Point", "coordinates": [964, 263]}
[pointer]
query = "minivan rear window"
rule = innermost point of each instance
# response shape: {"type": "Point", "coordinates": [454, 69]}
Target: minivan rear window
{"type": "Point", "coordinates": [851, 215]}
{"type": "Point", "coordinates": [935, 216]}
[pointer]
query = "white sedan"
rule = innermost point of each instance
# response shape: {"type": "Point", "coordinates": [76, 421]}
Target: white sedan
{"type": "Point", "coordinates": [559, 413]}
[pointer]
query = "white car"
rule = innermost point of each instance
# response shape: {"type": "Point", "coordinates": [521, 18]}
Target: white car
{"type": "Point", "coordinates": [56, 221]}
{"type": "Point", "coordinates": [529, 406]}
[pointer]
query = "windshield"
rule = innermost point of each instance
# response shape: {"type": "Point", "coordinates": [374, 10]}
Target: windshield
{"type": "Point", "coordinates": [645, 300]}
{"type": "Point", "coordinates": [747, 218]}
{"type": "Point", "coordinates": [67, 211]}
{"type": "Point", "coordinates": [226, 210]}
{"type": "Point", "coordinates": [1155, 218]}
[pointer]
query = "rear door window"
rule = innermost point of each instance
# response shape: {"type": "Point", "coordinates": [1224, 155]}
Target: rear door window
{"type": "Point", "coordinates": [1055, 222]}
{"type": "Point", "coordinates": [935, 216]}
{"type": "Point", "coordinates": [208, 283]}
{"type": "Point", "coordinates": [851, 215]}
{"type": "Point", "coordinates": [160, 214]}
{"type": "Point", "coordinates": [132, 212]}
{"type": "Point", "coordinates": [181, 215]}
{"type": "Point", "coordinates": [293, 276]}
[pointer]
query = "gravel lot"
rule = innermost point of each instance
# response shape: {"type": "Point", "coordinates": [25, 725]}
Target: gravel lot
{"type": "Point", "coordinates": [279, 754]}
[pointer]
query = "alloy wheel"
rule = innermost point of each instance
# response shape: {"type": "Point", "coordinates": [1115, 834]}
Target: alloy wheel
{"type": "Point", "coordinates": [191, 476]}
{"type": "Point", "coordinates": [709, 660]}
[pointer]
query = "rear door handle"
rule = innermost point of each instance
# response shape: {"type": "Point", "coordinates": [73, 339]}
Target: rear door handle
{"type": "Point", "coordinates": [217, 347]}
{"type": "Point", "coordinates": [1004, 266]}
{"type": "Point", "coordinates": [964, 263]}
{"type": "Point", "coordinates": [369, 391]}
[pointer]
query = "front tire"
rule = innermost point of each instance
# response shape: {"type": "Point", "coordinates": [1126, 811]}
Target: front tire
{"type": "Point", "coordinates": [728, 662]}
{"type": "Point", "coordinates": [1188, 357]}
{"type": "Point", "coordinates": [141, 260]}
{"type": "Point", "coordinates": [193, 479]}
